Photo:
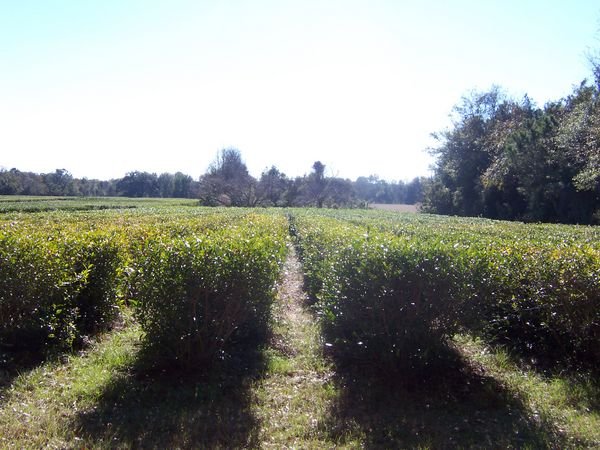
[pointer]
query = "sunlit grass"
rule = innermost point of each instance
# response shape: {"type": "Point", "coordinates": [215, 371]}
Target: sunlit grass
{"type": "Point", "coordinates": [291, 395]}
{"type": "Point", "coordinates": [94, 400]}
{"type": "Point", "coordinates": [294, 395]}
{"type": "Point", "coordinates": [39, 406]}
{"type": "Point", "coordinates": [569, 402]}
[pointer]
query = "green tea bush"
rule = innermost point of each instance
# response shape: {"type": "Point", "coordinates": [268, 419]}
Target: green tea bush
{"type": "Point", "coordinates": [99, 255]}
{"type": "Point", "coordinates": [56, 285]}
{"type": "Point", "coordinates": [534, 289]}
{"type": "Point", "coordinates": [381, 298]}
{"type": "Point", "coordinates": [541, 302]}
{"type": "Point", "coordinates": [196, 294]}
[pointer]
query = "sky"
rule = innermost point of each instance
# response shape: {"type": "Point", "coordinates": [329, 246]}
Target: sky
{"type": "Point", "coordinates": [102, 88]}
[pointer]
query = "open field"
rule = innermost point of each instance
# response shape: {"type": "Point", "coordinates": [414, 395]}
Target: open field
{"type": "Point", "coordinates": [395, 207]}
{"type": "Point", "coordinates": [149, 323]}
{"type": "Point", "coordinates": [20, 203]}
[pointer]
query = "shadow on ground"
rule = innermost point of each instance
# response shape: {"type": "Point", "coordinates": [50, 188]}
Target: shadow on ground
{"type": "Point", "coordinates": [171, 409]}
{"type": "Point", "coordinates": [449, 406]}
{"type": "Point", "coordinates": [583, 378]}
{"type": "Point", "coordinates": [15, 363]}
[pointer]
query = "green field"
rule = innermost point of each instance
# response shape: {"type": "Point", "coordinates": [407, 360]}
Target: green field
{"type": "Point", "coordinates": [21, 203]}
{"type": "Point", "coordinates": [158, 323]}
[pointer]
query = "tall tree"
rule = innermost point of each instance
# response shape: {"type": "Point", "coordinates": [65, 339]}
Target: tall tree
{"type": "Point", "coordinates": [271, 188]}
{"type": "Point", "coordinates": [462, 153]}
{"type": "Point", "coordinates": [182, 185]}
{"type": "Point", "coordinates": [10, 182]}
{"type": "Point", "coordinates": [339, 192]}
{"type": "Point", "coordinates": [166, 185]}
{"type": "Point", "coordinates": [317, 184]}
{"type": "Point", "coordinates": [60, 182]}
{"type": "Point", "coordinates": [511, 160]}
{"type": "Point", "coordinates": [227, 181]}
{"type": "Point", "coordinates": [139, 184]}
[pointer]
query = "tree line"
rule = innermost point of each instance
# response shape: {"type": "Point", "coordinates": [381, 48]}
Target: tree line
{"type": "Point", "coordinates": [502, 158]}
{"type": "Point", "coordinates": [227, 182]}
{"type": "Point", "coordinates": [509, 159]}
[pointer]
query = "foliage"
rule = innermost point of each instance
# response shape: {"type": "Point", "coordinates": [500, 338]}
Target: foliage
{"type": "Point", "coordinates": [61, 182]}
{"type": "Point", "coordinates": [58, 284]}
{"type": "Point", "coordinates": [399, 285]}
{"type": "Point", "coordinates": [390, 289]}
{"type": "Point", "coordinates": [62, 272]}
{"type": "Point", "coordinates": [390, 277]}
{"type": "Point", "coordinates": [380, 297]}
{"type": "Point", "coordinates": [227, 182]}
{"type": "Point", "coordinates": [12, 205]}
{"type": "Point", "coordinates": [272, 188]}
{"type": "Point", "coordinates": [374, 190]}
{"type": "Point", "coordinates": [579, 135]}
{"type": "Point", "coordinates": [508, 159]}
{"type": "Point", "coordinates": [196, 292]}
{"type": "Point", "coordinates": [139, 184]}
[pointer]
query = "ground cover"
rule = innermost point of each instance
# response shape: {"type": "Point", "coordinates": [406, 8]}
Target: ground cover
{"type": "Point", "coordinates": [292, 387]}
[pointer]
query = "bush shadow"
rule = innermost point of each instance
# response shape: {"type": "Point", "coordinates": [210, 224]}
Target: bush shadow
{"type": "Point", "coordinates": [450, 404]}
{"type": "Point", "coordinates": [583, 378]}
{"type": "Point", "coordinates": [21, 353]}
{"type": "Point", "coordinates": [19, 358]}
{"type": "Point", "coordinates": [160, 407]}
{"type": "Point", "coordinates": [16, 362]}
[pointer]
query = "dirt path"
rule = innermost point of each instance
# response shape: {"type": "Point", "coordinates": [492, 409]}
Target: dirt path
{"type": "Point", "coordinates": [294, 397]}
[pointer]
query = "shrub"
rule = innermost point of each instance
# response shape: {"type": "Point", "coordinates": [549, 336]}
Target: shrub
{"type": "Point", "coordinates": [196, 294]}
{"type": "Point", "coordinates": [57, 284]}
{"type": "Point", "coordinates": [380, 298]}
{"type": "Point", "coordinates": [542, 302]}
{"type": "Point", "coordinates": [534, 289]}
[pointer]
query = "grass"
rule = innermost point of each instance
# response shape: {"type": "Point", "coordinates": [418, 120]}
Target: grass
{"type": "Point", "coordinates": [290, 394]}
{"type": "Point", "coordinates": [103, 398]}
{"type": "Point", "coordinates": [568, 403]}
{"type": "Point", "coordinates": [453, 408]}
{"type": "Point", "coordinates": [39, 408]}
{"type": "Point", "coordinates": [296, 390]}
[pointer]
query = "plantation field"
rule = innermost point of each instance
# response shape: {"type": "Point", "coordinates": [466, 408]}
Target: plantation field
{"type": "Point", "coordinates": [158, 323]}
{"type": "Point", "coordinates": [395, 207]}
{"type": "Point", "coordinates": [19, 203]}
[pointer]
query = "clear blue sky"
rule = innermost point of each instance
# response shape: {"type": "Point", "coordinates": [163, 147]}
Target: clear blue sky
{"type": "Point", "coordinates": [101, 88]}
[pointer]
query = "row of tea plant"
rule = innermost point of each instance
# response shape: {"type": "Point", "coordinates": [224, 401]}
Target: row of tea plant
{"type": "Point", "coordinates": [395, 288]}
{"type": "Point", "coordinates": [197, 279]}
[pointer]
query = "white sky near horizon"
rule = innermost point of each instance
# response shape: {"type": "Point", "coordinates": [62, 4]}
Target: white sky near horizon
{"type": "Point", "coordinates": [101, 88]}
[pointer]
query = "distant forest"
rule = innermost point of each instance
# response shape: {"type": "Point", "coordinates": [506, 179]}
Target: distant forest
{"type": "Point", "coordinates": [226, 182]}
{"type": "Point", "coordinates": [509, 159]}
{"type": "Point", "coordinates": [502, 158]}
